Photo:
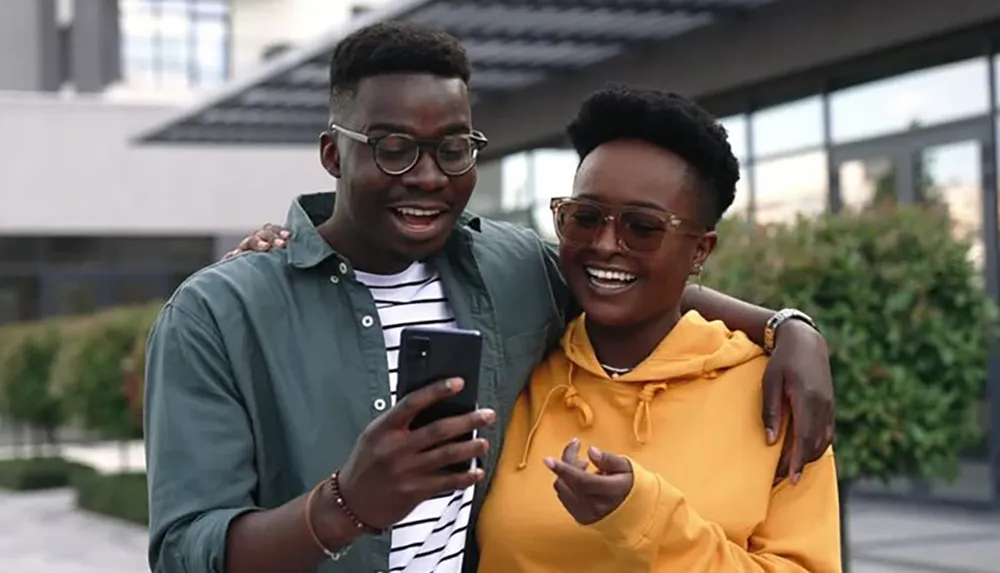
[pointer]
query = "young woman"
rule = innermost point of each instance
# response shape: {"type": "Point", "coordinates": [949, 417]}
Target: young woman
{"type": "Point", "coordinates": [638, 446]}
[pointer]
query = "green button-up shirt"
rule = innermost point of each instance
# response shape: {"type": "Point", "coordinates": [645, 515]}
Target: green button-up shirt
{"type": "Point", "coordinates": [263, 370]}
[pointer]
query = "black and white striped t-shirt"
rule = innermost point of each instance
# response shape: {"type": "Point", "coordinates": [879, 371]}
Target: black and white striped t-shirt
{"type": "Point", "coordinates": [432, 537]}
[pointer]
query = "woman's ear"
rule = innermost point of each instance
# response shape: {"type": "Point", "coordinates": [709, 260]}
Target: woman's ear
{"type": "Point", "coordinates": [704, 248]}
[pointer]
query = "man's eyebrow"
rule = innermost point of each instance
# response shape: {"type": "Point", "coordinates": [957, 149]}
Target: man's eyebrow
{"type": "Point", "coordinates": [386, 127]}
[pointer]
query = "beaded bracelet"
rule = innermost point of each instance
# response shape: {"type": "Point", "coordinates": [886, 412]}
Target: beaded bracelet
{"type": "Point", "coordinates": [339, 498]}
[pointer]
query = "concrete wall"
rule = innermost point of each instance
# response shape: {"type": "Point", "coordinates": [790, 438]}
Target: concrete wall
{"type": "Point", "coordinates": [29, 45]}
{"type": "Point", "coordinates": [790, 37]}
{"type": "Point", "coordinates": [66, 166]}
{"type": "Point", "coordinates": [258, 24]}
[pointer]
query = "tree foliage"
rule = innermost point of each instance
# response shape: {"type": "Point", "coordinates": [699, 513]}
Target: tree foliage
{"type": "Point", "coordinates": [903, 310]}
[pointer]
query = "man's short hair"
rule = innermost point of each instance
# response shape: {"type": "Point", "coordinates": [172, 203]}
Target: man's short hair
{"type": "Point", "coordinates": [669, 121]}
{"type": "Point", "coordinates": [393, 47]}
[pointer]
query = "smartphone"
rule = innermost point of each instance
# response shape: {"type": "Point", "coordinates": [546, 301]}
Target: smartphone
{"type": "Point", "coordinates": [428, 355]}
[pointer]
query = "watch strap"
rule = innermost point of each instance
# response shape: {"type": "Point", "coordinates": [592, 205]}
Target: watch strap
{"type": "Point", "coordinates": [779, 318]}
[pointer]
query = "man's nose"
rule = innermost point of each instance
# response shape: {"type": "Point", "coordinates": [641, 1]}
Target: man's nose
{"type": "Point", "coordinates": [425, 175]}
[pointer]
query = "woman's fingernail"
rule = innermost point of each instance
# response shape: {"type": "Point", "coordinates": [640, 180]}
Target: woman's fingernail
{"type": "Point", "coordinates": [550, 463]}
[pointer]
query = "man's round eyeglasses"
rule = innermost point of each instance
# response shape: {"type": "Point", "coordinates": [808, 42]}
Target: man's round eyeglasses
{"type": "Point", "coordinates": [397, 153]}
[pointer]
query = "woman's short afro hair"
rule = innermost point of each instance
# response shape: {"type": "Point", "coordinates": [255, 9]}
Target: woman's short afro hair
{"type": "Point", "coordinates": [394, 47]}
{"type": "Point", "coordinates": [666, 120]}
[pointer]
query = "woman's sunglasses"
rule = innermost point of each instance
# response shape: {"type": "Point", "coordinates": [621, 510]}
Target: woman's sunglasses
{"type": "Point", "coordinates": [580, 221]}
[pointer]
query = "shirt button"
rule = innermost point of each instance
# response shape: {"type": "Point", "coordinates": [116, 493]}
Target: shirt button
{"type": "Point", "coordinates": [335, 279]}
{"type": "Point", "coordinates": [367, 321]}
{"type": "Point", "coordinates": [379, 405]}
{"type": "Point", "coordinates": [343, 268]}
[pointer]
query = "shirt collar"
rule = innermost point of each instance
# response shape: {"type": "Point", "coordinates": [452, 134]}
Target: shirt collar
{"type": "Point", "coordinates": [308, 249]}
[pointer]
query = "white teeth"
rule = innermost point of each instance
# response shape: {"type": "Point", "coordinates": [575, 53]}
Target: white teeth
{"type": "Point", "coordinates": [606, 275]}
{"type": "Point", "coordinates": [413, 212]}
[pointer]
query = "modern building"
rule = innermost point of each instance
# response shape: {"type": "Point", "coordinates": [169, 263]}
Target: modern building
{"type": "Point", "coordinates": [826, 101]}
{"type": "Point", "coordinates": [87, 219]}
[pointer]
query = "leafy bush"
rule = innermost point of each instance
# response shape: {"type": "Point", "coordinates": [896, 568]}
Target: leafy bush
{"type": "Point", "coordinates": [908, 325]}
{"type": "Point", "coordinates": [38, 473]}
{"type": "Point", "coordinates": [26, 356]}
{"type": "Point", "coordinates": [117, 495]}
{"type": "Point", "coordinates": [89, 370]}
{"type": "Point", "coordinates": [135, 371]}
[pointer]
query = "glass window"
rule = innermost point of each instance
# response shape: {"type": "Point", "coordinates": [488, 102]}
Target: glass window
{"type": "Point", "coordinates": [550, 174]}
{"type": "Point", "coordinates": [788, 127]}
{"type": "Point", "coordinates": [140, 289]}
{"type": "Point", "coordinates": [18, 250]}
{"type": "Point", "coordinates": [73, 250]}
{"type": "Point", "coordinates": [952, 174]}
{"type": "Point", "coordinates": [168, 252]}
{"type": "Point", "coordinates": [868, 180]}
{"type": "Point", "coordinates": [790, 186]}
{"type": "Point", "coordinates": [996, 79]}
{"type": "Point", "coordinates": [917, 99]}
{"type": "Point", "coordinates": [174, 43]}
{"type": "Point", "coordinates": [514, 180]}
{"type": "Point", "coordinates": [736, 127]}
{"type": "Point", "coordinates": [74, 294]}
{"type": "Point", "coordinates": [18, 298]}
{"type": "Point", "coordinates": [741, 202]}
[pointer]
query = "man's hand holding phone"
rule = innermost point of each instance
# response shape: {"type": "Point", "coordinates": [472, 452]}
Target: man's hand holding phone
{"type": "Point", "coordinates": [393, 468]}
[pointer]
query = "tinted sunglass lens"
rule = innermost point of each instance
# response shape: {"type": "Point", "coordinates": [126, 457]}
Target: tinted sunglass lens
{"type": "Point", "coordinates": [641, 232]}
{"type": "Point", "coordinates": [579, 223]}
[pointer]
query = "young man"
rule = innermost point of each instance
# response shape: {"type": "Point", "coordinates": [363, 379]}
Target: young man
{"type": "Point", "coordinates": [273, 438]}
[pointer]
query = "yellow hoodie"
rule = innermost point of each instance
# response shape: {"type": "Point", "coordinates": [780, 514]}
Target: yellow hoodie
{"type": "Point", "coordinates": [702, 499]}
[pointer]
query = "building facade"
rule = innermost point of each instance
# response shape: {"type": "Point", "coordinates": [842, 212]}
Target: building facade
{"type": "Point", "coordinates": [89, 220]}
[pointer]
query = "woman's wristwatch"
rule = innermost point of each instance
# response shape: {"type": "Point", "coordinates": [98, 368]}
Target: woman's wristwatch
{"type": "Point", "coordinates": [779, 318]}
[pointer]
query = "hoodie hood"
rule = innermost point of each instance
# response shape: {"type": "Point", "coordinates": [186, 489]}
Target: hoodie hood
{"type": "Point", "coordinates": [695, 349]}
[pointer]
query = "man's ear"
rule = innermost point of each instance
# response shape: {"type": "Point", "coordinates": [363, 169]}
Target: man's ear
{"type": "Point", "coordinates": [329, 155]}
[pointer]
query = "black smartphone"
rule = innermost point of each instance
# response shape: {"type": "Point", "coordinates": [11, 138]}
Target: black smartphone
{"type": "Point", "coordinates": [427, 355]}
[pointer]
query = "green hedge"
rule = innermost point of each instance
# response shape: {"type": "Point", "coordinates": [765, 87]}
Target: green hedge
{"type": "Point", "coordinates": [39, 473]}
{"type": "Point", "coordinates": [27, 352]}
{"type": "Point", "coordinates": [907, 321]}
{"type": "Point", "coordinates": [122, 496]}
{"type": "Point", "coordinates": [76, 370]}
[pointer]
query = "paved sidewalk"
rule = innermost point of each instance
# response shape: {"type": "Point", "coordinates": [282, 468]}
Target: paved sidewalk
{"type": "Point", "coordinates": [895, 539]}
{"type": "Point", "coordinates": [44, 533]}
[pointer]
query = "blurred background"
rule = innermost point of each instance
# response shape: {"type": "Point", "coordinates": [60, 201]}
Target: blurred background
{"type": "Point", "coordinates": [142, 139]}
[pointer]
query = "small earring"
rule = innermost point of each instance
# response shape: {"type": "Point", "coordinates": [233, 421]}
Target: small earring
{"type": "Point", "coordinates": [696, 272]}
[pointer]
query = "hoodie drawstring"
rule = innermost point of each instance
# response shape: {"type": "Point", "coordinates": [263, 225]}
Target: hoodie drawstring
{"type": "Point", "coordinates": [573, 401]}
{"type": "Point", "coordinates": [642, 423]}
